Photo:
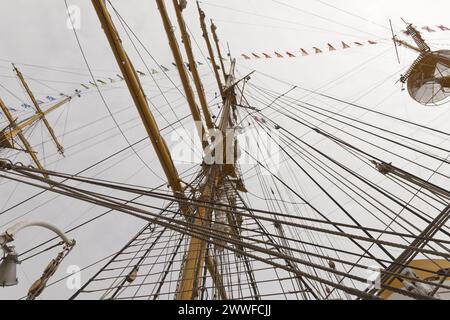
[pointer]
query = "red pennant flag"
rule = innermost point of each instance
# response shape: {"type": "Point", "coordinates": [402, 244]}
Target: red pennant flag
{"type": "Point", "coordinates": [426, 28]}
{"type": "Point", "coordinates": [246, 57]}
{"type": "Point", "coordinates": [256, 56]}
{"type": "Point", "coordinates": [266, 56]}
{"type": "Point", "coordinates": [317, 50]}
{"type": "Point", "coordinates": [278, 55]}
{"type": "Point", "coordinates": [372, 42]}
{"type": "Point", "coordinates": [304, 53]}
{"type": "Point", "coordinates": [290, 55]}
{"type": "Point", "coordinates": [443, 28]}
{"type": "Point", "coordinates": [345, 46]}
{"type": "Point", "coordinates": [331, 48]}
{"type": "Point", "coordinates": [359, 44]}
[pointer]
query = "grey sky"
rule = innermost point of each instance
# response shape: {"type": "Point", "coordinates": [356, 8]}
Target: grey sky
{"type": "Point", "coordinates": [35, 33]}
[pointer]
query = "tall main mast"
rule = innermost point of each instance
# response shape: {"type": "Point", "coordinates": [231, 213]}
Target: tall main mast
{"type": "Point", "coordinates": [139, 98]}
{"type": "Point", "coordinates": [197, 254]}
{"type": "Point", "coordinates": [160, 146]}
{"type": "Point", "coordinates": [197, 251]}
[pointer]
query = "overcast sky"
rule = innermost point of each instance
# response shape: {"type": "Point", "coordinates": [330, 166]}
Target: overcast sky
{"type": "Point", "coordinates": [35, 33]}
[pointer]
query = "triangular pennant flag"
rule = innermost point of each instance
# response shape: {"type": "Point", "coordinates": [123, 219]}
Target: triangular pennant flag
{"type": "Point", "coordinates": [84, 86]}
{"type": "Point", "coordinates": [426, 28]}
{"type": "Point", "coordinates": [279, 55]}
{"type": "Point", "coordinates": [25, 105]}
{"type": "Point", "coordinates": [304, 53]}
{"type": "Point", "coordinates": [92, 83]}
{"type": "Point", "coordinates": [50, 98]}
{"type": "Point", "coordinates": [331, 48]}
{"type": "Point", "coordinates": [199, 63]}
{"type": "Point", "coordinates": [290, 55]}
{"type": "Point", "coordinates": [101, 81]}
{"type": "Point", "coordinates": [256, 56]}
{"type": "Point", "coordinates": [246, 57]}
{"type": "Point", "coordinates": [372, 42]}
{"type": "Point", "coordinates": [174, 64]}
{"type": "Point", "coordinates": [140, 73]}
{"type": "Point", "coordinates": [120, 77]}
{"type": "Point", "coordinates": [164, 68]}
{"type": "Point", "coordinates": [266, 56]}
{"type": "Point", "coordinates": [40, 102]}
{"type": "Point", "coordinates": [443, 28]}
{"type": "Point", "coordinates": [345, 46]}
{"type": "Point", "coordinates": [359, 44]}
{"type": "Point", "coordinates": [317, 50]}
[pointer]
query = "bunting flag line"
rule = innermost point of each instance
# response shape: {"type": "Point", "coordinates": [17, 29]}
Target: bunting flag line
{"type": "Point", "coordinates": [25, 106]}
{"type": "Point", "coordinates": [304, 52]}
{"type": "Point", "coordinates": [431, 30]}
{"type": "Point", "coordinates": [329, 46]}
{"type": "Point", "coordinates": [91, 85]}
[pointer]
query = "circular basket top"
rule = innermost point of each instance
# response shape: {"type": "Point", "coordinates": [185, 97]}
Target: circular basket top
{"type": "Point", "coordinates": [425, 84]}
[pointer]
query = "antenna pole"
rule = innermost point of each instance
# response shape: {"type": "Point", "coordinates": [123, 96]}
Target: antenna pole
{"type": "Point", "coordinates": [39, 110]}
{"type": "Point", "coordinates": [394, 38]}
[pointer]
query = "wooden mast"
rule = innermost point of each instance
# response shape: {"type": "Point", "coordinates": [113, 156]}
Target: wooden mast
{"type": "Point", "coordinates": [219, 53]}
{"type": "Point", "coordinates": [193, 65]}
{"type": "Point", "coordinates": [197, 252]}
{"type": "Point", "coordinates": [182, 71]}
{"type": "Point", "coordinates": [21, 136]}
{"type": "Point", "coordinates": [195, 258]}
{"type": "Point", "coordinates": [39, 110]}
{"type": "Point", "coordinates": [6, 136]}
{"type": "Point", "coordinates": [132, 81]}
{"type": "Point", "coordinates": [210, 49]}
